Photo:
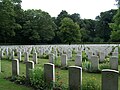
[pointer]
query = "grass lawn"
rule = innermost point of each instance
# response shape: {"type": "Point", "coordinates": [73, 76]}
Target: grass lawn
{"type": "Point", "coordinates": [8, 85]}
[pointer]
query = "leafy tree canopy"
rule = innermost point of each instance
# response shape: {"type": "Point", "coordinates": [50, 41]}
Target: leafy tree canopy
{"type": "Point", "coordinates": [70, 31]}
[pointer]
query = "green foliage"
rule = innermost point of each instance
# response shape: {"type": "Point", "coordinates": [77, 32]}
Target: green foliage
{"type": "Point", "coordinates": [73, 51]}
{"type": "Point", "coordinates": [85, 35]}
{"type": "Point", "coordinates": [20, 26]}
{"type": "Point", "coordinates": [115, 36]}
{"type": "Point", "coordinates": [75, 17]}
{"type": "Point", "coordinates": [20, 80]}
{"type": "Point", "coordinates": [37, 79]}
{"type": "Point", "coordinates": [70, 31]}
{"type": "Point", "coordinates": [86, 65]}
{"type": "Point", "coordinates": [60, 17]}
{"type": "Point", "coordinates": [38, 26]}
{"type": "Point", "coordinates": [98, 39]}
{"type": "Point", "coordinates": [57, 62]}
{"type": "Point", "coordinates": [104, 66]}
{"type": "Point", "coordinates": [87, 30]}
{"type": "Point", "coordinates": [7, 20]}
{"type": "Point", "coordinates": [115, 27]}
{"type": "Point", "coordinates": [90, 84]}
{"type": "Point", "coordinates": [103, 30]}
{"type": "Point", "coordinates": [84, 57]}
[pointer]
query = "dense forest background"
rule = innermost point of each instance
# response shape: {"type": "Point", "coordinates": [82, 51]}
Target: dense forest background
{"type": "Point", "coordinates": [18, 26]}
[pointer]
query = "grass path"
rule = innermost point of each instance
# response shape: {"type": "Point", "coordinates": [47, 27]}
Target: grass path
{"type": "Point", "coordinates": [7, 85]}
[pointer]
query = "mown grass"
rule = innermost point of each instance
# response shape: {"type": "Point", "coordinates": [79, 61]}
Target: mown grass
{"type": "Point", "coordinates": [7, 67]}
{"type": "Point", "coordinates": [6, 72]}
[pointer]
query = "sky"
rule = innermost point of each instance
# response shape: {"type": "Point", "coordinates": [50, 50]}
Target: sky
{"type": "Point", "coordinates": [88, 9]}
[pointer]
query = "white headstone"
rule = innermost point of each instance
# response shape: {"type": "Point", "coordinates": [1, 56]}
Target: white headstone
{"type": "Point", "coordinates": [51, 58]}
{"type": "Point", "coordinates": [94, 63]}
{"type": "Point", "coordinates": [19, 56]}
{"type": "Point", "coordinates": [64, 60]}
{"type": "Point", "coordinates": [49, 73]}
{"type": "Point", "coordinates": [15, 67]}
{"type": "Point", "coordinates": [75, 78]}
{"type": "Point", "coordinates": [35, 58]}
{"type": "Point", "coordinates": [102, 56]}
{"type": "Point", "coordinates": [26, 57]}
{"type": "Point", "coordinates": [78, 60]}
{"type": "Point", "coordinates": [29, 65]}
{"type": "Point", "coordinates": [114, 62]}
{"type": "Point", "coordinates": [110, 79]}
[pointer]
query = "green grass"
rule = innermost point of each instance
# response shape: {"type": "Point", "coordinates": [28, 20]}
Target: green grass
{"type": "Point", "coordinates": [6, 72]}
{"type": "Point", "coordinates": [7, 85]}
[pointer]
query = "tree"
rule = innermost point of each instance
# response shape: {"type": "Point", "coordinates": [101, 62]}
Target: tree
{"type": "Point", "coordinates": [57, 21]}
{"type": "Point", "coordinates": [115, 26]}
{"type": "Point", "coordinates": [7, 20]}
{"type": "Point", "coordinates": [38, 27]}
{"type": "Point", "coordinates": [88, 27]}
{"type": "Point", "coordinates": [115, 36]}
{"type": "Point", "coordinates": [115, 33]}
{"type": "Point", "coordinates": [69, 31]}
{"type": "Point", "coordinates": [84, 35]}
{"type": "Point", "coordinates": [75, 17]}
{"type": "Point", "coordinates": [60, 17]}
{"type": "Point", "coordinates": [102, 28]}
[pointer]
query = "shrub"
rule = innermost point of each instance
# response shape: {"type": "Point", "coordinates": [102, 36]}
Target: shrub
{"type": "Point", "coordinates": [73, 51]}
{"type": "Point", "coordinates": [104, 66]}
{"type": "Point", "coordinates": [19, 79]}
{"type": "Point", "coordinates": [91, 84]}
{"type": "Point", "coordinates": [57, 63]}
{"type": "Point", "coordinates": [86, 66]}
{"type": "Point", "coordinates": [84, 57]}
{"type": "Point", "coordinates": [36, 79]}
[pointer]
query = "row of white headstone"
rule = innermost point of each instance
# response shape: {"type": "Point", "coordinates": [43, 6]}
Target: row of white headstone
{"type": "Point", "coordinates": [109, 77]}
{"type": "Point", "coordinates": [91, 51]}
{"type": "Point", "coordinates": [94, 59]}
{"type": "Point", "coordinates": [47, 49]}
{"type": "Point", "coordinates": [78, 61]}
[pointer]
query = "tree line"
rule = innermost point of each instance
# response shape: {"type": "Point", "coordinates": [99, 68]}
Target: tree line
{"type": "Point", "coordinates": [31, 26]}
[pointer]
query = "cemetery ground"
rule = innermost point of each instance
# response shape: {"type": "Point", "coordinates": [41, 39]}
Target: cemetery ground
{"type": "Point", "coordinates": [88, 79]}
